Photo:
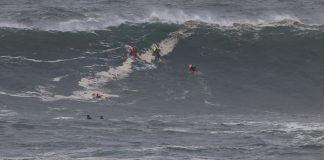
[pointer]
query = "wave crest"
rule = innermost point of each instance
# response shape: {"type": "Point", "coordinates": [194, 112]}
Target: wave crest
{"type": "Point", "coordinates": [169, 16]}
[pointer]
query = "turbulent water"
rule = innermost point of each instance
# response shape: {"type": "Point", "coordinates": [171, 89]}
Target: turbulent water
{"type": "Point", "coordinates": [257, 95]}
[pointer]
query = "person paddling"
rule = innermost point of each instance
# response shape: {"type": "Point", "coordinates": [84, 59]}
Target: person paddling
{"type": "Point", "coordinates": [192, 68]}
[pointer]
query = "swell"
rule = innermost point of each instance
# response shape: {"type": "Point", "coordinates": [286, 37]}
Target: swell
{"type": "Point", "coordinates": [253, 65]}
{"type": "Point", "coordinates": [273, 66]}
{"type": "Point", "coordinates": [17, 42]}
{"type": "Point", "coordinates": [49, 45]}
{"type": "Point", "coordinates": [46, 45]}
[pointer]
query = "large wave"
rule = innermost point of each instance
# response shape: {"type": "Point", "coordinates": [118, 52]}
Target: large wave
{"type": "Point", "coordinates": [101, 21]}
{"type": "Point", "coordinates": [240, 62]}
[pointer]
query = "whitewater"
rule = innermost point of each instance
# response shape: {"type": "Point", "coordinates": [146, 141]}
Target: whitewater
{"type": "Point", "coordinates": [257, 94]}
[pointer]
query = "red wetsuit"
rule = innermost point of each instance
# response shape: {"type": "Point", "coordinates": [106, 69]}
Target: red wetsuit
{"type": "Point", "coordinates": [192, 68]}
{"type": "Point", "coordinates": [132, 52]}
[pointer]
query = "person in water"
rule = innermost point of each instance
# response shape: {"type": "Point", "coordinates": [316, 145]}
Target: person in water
{"type": "Point", "coordinates": [132, 52]}
{"type": "Point", "coordinates": [97, 95]}
{"type": "Point", "coordinates": [88, 117]}
{"type": "Point", "coordinates": [192, 68]}
{"type": "Point", "coordinates": [156, 52]}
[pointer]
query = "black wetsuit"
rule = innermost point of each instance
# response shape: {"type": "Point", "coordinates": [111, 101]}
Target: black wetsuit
{"type": "Point", "coordinates": [156, 53]}
{"type": "Point", "coordinates": [193, 69]}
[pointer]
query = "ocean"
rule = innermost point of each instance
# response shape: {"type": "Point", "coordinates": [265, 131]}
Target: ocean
{"type": "Point", "coordinates": [257, 93]}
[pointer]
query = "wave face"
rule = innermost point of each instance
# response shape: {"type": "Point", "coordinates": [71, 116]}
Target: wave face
{"type": "Point", "coordinates": [258, 90]}
{"type": "Point", "coordinates": [273, 67]}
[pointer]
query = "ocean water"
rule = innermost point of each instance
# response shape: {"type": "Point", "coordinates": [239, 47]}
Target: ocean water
{"type": "Point", "coordinates": [257, 95]}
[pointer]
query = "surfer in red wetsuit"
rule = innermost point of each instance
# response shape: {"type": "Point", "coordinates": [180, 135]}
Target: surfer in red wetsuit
{"type": "Point", "coordinates": [192, 68]}
{"type": "Point", "coordinates": [132, 52]}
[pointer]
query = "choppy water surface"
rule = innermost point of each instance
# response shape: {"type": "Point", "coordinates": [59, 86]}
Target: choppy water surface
{"type": "Point", "coordinates": [258, 93]}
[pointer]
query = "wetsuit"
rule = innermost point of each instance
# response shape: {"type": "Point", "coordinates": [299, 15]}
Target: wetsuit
{"type": "Point", "coordinates": [132, 52]}
{"type": "Point", "coordinates": [98, 96]}
{"type": "Point", "coordinates": [156, 53]}
{"type": "Point", "coordinates": [193, 69]}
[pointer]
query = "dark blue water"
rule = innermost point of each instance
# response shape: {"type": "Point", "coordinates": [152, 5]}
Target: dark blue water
{"type": "Point", "coordinates": [257, 94]}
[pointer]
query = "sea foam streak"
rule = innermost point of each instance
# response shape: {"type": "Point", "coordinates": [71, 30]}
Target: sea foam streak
{"type": "Point", "coordinates": [76, 95]}
{"type": "Point", "coordinates": [57, 79]}
{"type": "Point", "coordinates": [21, 58]}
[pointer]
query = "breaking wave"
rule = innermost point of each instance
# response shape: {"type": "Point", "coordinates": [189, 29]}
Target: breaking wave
{"type": "Point", "coordinates": [169, 16]}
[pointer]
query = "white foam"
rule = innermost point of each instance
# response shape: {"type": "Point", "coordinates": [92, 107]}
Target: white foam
{"type": "Point", "coordinates": [295, 126]}
{"type": "Point", "coordinates": [56, 109]}
{"type": "Point", "coordinates": [21, 95]}
{"type": "Point", "coordinates": [64, 118]}
{"type": "Point", "coordinates": [163, 116]}
{"type": "Point", "coordinates": [192, 148]}
{"type": "Point", "coordinates": [177, 129]}
{"type": "Point", "coordinates": [228, 132]}
{"type": "Point", "coordinates": [12, 25]}
{"type": "Point", "coordinates": [76, 95]}
{"type": "Point", "coordinates": [44, 95]}
{"type": "Point", "coordinates": [103, 77]}
{"type": "Point", "coordinates": [144, 149]}
{"type": "Point", "coordinates": [209, 103]}
{"type": "Point", "coordinates": [174, 16]}
{"type": "Point", "coordinates": [305, 139]}
{"type": "Point", "coordinates": [181, 17]}
{"type": "Point", "coordinates": [21, 58]}
{"type": "Point", "coordinates": [98, 22]}
{"type": "Point", "coordinates": [161, 15]}
{"type": "Point", "coordinates": [7, 113]}
{"type": "Point", "coordinates": [57, 79]}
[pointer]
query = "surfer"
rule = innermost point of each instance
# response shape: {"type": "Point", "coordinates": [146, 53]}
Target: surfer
{"type": "Point", "coordinates": [156, 52]}
{"type": "Point", "coordinates": [192, 68]}
{"type": "Point", "coordinates": [97, 95]}
{"type": "Point", "coordinates": [88, 117]}
{"type": "Point", "coordinates": [132, 52]}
